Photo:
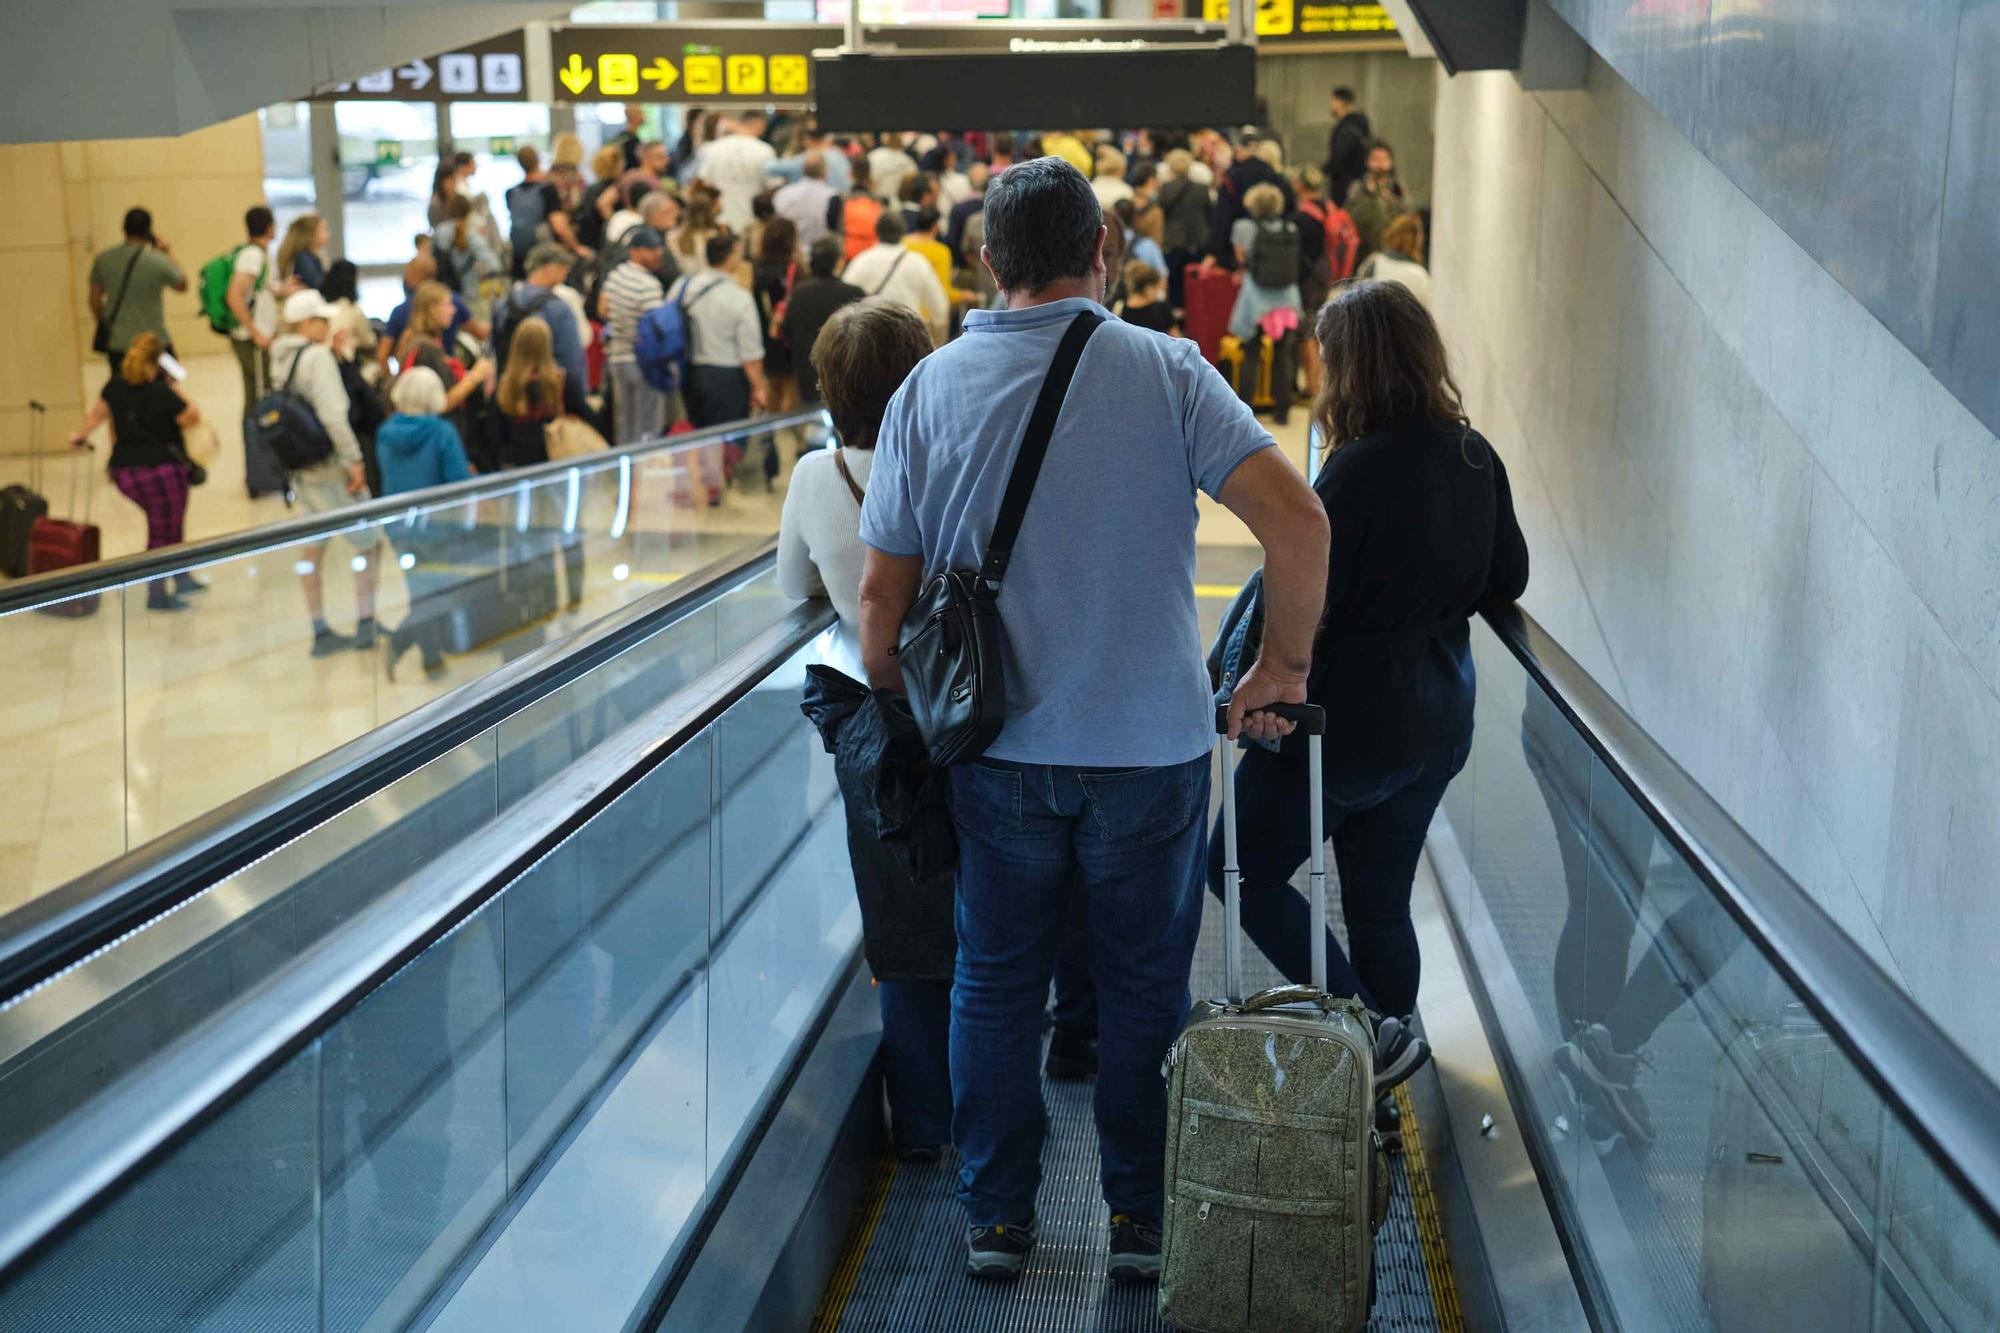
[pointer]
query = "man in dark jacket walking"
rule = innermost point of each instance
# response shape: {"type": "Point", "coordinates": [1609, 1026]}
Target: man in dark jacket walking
{"type": "Point", "coordinates": [1347, 145]}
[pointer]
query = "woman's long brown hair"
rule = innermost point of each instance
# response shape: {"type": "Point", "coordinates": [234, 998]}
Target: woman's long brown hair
{"type": "Point", "coordinates": [533, 381]}
{"type": "Point", "coordinates": [1384, 362]}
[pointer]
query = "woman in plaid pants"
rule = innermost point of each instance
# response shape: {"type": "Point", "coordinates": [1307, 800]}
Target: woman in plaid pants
{"type": "Point", "coordinates": [149, 466]}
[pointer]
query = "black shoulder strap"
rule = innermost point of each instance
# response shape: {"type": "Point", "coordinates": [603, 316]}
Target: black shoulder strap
{"type": "Point", "coordinates": [895, 264]}
{"type": "Point", "coordinates": [123, 283]}
{"type": "Point", "coordinates": [1035, 446]}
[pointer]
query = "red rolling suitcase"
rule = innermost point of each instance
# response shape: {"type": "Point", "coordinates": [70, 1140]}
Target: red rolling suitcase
{"type": "Point", "coordinates": [55, 543]}
{"type": "Point", "coordinates": [1208, 297]}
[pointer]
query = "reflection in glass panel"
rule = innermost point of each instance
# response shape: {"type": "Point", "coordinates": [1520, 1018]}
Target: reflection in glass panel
{"type": "Point", "coordinates": [218, 703]}
{"type": "Point", "coordinates": [220, 1234]}
{"type": "Point", "coordinates": [62, 763]}
{"type": "Point", "coordinates": [388, 158]}
{"type": "Point", "coordinates": [603, 934]}
{"type": "Point", "coordinates": [413, 1157]}
{"type": "Point", "coordinates": [785, 916]}
{"type": "Point", "coordinates": [67, 1038]}
{"type": "Point", "coordinates": [1719, 1159]}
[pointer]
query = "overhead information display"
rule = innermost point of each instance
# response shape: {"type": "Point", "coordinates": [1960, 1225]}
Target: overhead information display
{"type": "Point", "coordinates": [668, 62]}
{"type": "Point", "coordinates": [1308, 20]}
{"type": "Point", "coordinates": [494, 70]}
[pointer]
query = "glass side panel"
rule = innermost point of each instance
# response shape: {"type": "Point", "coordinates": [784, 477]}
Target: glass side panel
{"type": "Point", "coordinates": [413, 1149]}
{"type": "Point", "coordinates": [1719, 1161]}
{"type": "Point", "coordinates": [62, 744]}
{"type": "Point", "coordinates": [221, 1234]}
{"type": "Point", "coordinates": [124, 723]}
{"type": "Point", "coordinates": [61, 1042]}
{"type": "Point", "coordinates": [516, 1129]}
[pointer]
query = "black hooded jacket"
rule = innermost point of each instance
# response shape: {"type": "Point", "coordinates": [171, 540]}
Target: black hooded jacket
{"type": "Point", "coordinates": [899, 830]}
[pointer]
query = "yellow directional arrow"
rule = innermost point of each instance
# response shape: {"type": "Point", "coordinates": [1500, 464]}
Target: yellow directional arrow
{"type": "Point", "coordinates": [575, 76]}
{"type": "Point", "coordinates": [662, 74]}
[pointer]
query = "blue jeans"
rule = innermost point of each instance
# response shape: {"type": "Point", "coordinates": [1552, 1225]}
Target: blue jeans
{"type": "Point", "coordinates": [916, 1028]}
{"type": "Point", "coordinates": [1133, 840]}
{"type": "Point", "coordinates": [1377, 822]}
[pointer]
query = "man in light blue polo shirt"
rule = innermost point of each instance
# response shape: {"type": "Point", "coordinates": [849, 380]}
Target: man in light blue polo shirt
{"type": "Point", "coordinates": [1102, 769]}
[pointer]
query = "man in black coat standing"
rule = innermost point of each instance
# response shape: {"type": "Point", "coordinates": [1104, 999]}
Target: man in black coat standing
{"type": "Point", "coordinates": [1347, 146]}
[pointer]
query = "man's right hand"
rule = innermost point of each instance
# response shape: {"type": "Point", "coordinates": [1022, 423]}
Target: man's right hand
{"type": "Point", "coordinates": [261, 338]}
{"type": "Point", "coordinates": [1263, 685]}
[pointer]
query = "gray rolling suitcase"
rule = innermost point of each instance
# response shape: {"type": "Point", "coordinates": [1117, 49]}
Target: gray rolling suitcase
{"type": "Point", "coordinates": [1275, 1180]}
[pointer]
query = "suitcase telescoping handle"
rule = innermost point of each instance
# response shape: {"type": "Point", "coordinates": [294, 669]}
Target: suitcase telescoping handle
{"type": "Point", "coordinates": [1311, 718]}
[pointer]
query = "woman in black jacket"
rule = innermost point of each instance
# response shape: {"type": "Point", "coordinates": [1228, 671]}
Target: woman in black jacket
{"type": "Point", "coordinates": [1424, 536]}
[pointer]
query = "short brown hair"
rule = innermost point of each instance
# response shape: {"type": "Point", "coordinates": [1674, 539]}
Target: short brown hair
{"type": "Point", "coordinates": [862, 357]}
{"type": "Point", "coordinates": [1385, 362]}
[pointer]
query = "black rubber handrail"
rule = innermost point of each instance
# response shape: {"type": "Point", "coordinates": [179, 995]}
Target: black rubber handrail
{"type": "Point", "coordinates": [1941, 1096]}
{"type": "Point", "coordinates": [60, 585]}
{"type": "Point", "coordinates": [56, 929]}
{"type": "Point", "coordinates": [56, 1184]}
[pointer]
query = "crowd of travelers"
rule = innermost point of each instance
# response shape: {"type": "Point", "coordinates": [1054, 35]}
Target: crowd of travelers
{"type": "Point", "coordinates": [919, 286]}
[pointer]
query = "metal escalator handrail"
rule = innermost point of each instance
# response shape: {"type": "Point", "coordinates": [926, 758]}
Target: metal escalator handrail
{"type": "Point", "coordinates": [56, 929]}
{"type": "Point", "coordinates": [1939, 1093]}
{"type": "Point", "coordinates": [59, 585]}
{"type": "Point", "coordinates": [55, 1184]}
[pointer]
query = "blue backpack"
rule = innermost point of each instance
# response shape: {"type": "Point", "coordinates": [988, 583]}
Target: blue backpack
{"type": "Point", "coordinates": [661, 347]}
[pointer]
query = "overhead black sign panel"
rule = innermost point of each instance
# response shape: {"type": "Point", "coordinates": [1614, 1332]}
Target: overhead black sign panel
{"type": "Point", "coordinates": [1059, 83]}
{"type": "Point", "coordinates": [489, 71]}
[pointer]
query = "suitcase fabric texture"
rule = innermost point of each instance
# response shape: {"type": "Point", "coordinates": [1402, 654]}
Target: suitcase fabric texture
{"type": "Point", "coordinates": [1207, 298]}
{"type": "Point", "coordinates": [20, 506]}
{"type": "Point", "coordinates": [1275, 1182]}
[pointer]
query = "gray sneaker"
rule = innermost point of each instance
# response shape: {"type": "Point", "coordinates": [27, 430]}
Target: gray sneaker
{"type": "Point", "coordinates": [1135, 1250]}
{"type": "Point", "coordinates": [1399, 1053]}
{"type": "Point", "coordinates": [1603, 1077]}
{"type": "Point", "coordinates": [998, 1253]}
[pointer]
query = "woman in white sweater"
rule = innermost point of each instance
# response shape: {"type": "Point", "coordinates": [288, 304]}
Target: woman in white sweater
{"type": "Point", "coordinates": [861, 357]}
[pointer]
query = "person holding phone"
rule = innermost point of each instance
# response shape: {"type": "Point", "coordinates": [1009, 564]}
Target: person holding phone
{"type": "Point", "coordinates": [126, 283]}
{"type": "Point", "coordinates": [147, 410]}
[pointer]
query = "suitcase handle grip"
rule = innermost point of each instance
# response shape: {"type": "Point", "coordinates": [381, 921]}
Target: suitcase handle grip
{"type": "Point", "coordinates": [1311, 718]}
{"type": "Point", "coordinates": [1274, 996]}
{"type": "Point", "coordinates": [1277, 995]}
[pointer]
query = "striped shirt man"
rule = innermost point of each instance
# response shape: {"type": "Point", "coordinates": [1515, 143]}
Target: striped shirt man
{"type": "Point", "coordinates": [629, 292]}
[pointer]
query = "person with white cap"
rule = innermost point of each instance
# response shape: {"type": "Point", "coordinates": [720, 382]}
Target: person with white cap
{"type": "Point", "coordinates": [303, 364]}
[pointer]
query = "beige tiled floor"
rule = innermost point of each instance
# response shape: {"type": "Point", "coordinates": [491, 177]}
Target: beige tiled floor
{"type": "Point", "coordinates": [119, 726]}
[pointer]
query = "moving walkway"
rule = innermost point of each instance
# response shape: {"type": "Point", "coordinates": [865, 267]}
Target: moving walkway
{"type": "Point", "coordinates": [544, 1008]}
{"type": "Point", "coordinates": [122, 724]}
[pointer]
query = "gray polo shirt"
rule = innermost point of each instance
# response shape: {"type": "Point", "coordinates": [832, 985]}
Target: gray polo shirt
{"type": "Point", "coordinates": [1101, 643]}
{"type": "Point", "coordinates": [142, 310]}
{"type": "Point", "coordinates": [724, 328]}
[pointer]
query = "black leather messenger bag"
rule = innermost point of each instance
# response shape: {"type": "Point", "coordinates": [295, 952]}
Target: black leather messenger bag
{"type": "Point", "coordinates": [951, 665]}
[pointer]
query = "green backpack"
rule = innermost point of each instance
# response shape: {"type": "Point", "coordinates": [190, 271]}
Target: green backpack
{"type": "Point", "coordinates": [215, 277]}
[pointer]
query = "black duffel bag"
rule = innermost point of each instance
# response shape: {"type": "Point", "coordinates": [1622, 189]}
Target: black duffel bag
{"type": "Point", "coordinates": [951, 665]}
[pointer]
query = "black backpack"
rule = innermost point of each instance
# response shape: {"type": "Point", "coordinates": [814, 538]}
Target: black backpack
{"type": "Point", "coordinates": [286, 426]}
{"type": "Point", "coordinates": [1274, 255]}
